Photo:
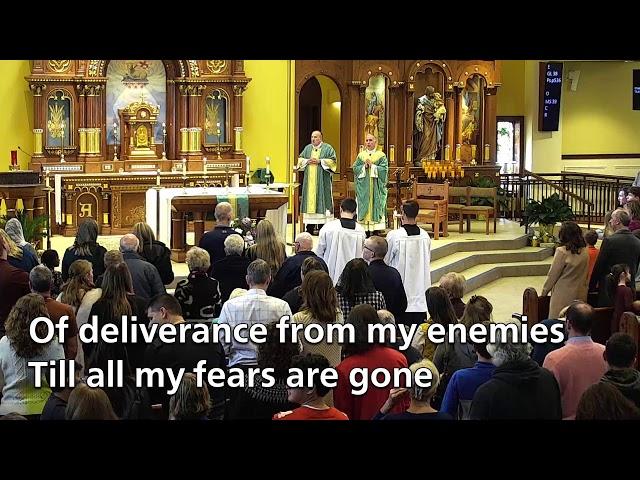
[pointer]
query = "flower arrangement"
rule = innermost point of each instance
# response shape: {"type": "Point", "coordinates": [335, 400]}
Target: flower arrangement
{"type": "Point", "coordinates": [245, 227]}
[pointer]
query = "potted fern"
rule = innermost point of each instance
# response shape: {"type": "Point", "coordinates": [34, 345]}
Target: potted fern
{"type": "Point", "coordinates": [546, 214]}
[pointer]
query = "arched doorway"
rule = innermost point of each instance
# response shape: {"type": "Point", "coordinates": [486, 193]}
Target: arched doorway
{"type": "Point", "coordinates": [319, 108]}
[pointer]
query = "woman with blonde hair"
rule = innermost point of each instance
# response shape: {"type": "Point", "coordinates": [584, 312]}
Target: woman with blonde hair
{"type": "Point", "coordinates": [85, 247]}
{"type": "Point", "coordinates": [17, 349]}
{"type": "Point", "coordinates": [267, 247]}
{"type": "Point", "coordinates": [190, 402]}
{"type": "Point", "coordinates": [80, 293]}
{"type": "Point", "coordinates": [454, 284]}
{"type": "Point", "coordinates": [154, 251]}
{"type": "Point", "coordinates": [17, 256]}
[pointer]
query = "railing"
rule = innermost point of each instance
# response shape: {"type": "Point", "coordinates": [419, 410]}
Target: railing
{"type": "Point", "coordinates": [590, 196]}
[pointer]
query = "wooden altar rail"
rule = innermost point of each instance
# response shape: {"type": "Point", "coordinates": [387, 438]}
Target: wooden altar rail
{"type": "Point", "coordinates": [590, 196]}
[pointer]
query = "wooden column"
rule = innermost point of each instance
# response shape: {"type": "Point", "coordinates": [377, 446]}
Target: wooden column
{"type": "Point", "coordinates": [38, 118]}
{"type": "Point", "coordinates": [171, 120]}
{"type": "Point", "coordinates": [183, 118]}
{"type": "Point", "coordinates": [392, 126]}
{"type": "Point", "coordinates": [238, 91]}
{"type": "Point", "coordinates": [490, 124]}
{"type": "Point", "coordinates": [408, 136]}
{"type": "Point", "coordinates": [27, 204]}
{"type": "Point", "coordinates": [178, 236]}
{"type": "Point", "coordinates": [449, 135]}
{"type": "Point", "coordinates": [82, 121]}
{"type": "Point", "coordinates": [11, 207]}
{"type": "Point", "coordinates": [69, 228]}
{"type": "Point", "coordinates": [198, 226]}
{"type": "Point", "coordinates": [106, 220]}
{"type": "Point", "coordinates": [456, 121]}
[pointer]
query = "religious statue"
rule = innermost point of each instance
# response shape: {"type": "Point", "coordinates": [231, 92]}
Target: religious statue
{"type": "Point", "coordinates": [375, 110]}
{"type": "Point", "coordinates": [429, 124]}
{"type": "Point", "coordinates": [142, 139]}
{"type": "Point", "coordinates": [469, 125]}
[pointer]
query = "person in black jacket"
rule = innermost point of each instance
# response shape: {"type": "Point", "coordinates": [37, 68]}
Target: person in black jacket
{"type": "Point", "coordinates": [519, 388]}
{"type": "Point", "coordinates": [620, 354]}
{"type": "Point", "coordinates": [231, 271]}
{"type": "Point", "coordinates": [85, 247]}
{"type": "Point", "coordinates": [213, 240]}
{"type": "Point", "coordinates": [288, 276]}
{"type": "Point", "coordinates": [154, 251]}
{"type": "Point", "coordinates": [294, 296]}
{"type": "Point", "coordinates": [146, 279]}
{"type": "Point", "coordinates": [621, 247]}
{"type": "Point", "coordinates": [166, 309]}
{"type": "Point", "coordinates": [386, 279]}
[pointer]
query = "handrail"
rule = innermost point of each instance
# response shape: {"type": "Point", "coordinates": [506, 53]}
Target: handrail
{"type": "Point", "coordinates": [559, 188]}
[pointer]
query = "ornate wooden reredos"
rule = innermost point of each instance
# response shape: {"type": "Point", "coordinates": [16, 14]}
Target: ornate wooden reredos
{"type": "Point", "coordinates": [467, 89]}
{"type": "Point", "coordinates": [77, 110]}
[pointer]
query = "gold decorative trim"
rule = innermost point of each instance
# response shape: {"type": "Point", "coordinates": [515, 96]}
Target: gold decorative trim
{"type": "Point", "coordinates": [193, 68]}
{"type": "Point", "coordinates": [59, 66]}
{"type": "Point", "coordinates": [216, 66]}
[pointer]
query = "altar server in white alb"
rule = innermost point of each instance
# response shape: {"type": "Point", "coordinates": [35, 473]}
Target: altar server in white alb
{"type": "Point", "coordinates": [410, 253]}
{"type": "Point", "coordinates": [341, 239]}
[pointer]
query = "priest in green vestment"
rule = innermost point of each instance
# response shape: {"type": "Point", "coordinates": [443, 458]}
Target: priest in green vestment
{"type": "Point", "coordinates": [318, 162]}
{"type": "Point", "coordinates": [370, 172]}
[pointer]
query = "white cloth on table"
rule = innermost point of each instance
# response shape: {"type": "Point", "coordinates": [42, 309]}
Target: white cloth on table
{"type": "Point", "coordinates": [278, 217]}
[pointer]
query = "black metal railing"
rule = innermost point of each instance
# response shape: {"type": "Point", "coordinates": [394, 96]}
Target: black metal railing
{"type": "Point", "coordinates": [590, 196]}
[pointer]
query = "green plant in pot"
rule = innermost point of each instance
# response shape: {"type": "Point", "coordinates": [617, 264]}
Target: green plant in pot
{"type": "Point", "coordinates": [546, 214]}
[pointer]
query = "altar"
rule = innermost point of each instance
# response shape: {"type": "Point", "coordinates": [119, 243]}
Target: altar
{"type": "Point", "coordinates": [167, 207]}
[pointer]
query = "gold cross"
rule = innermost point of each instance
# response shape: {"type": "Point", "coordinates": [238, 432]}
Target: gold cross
{"type": "Point", "coordinates": [142, 97]}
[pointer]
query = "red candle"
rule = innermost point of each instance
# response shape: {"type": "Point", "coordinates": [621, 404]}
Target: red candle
{"type": "Point", "coordinates": [14, 157]}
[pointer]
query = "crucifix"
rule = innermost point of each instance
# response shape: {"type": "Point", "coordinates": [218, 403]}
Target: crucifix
{"type": "Point", "coordinates": [141, 97]}
{"type": "Point", "coordinates": [399, 185]}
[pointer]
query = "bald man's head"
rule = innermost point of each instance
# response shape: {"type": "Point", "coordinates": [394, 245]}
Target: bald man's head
{"type": "Point", "coordinates": [129, 243]}
{"type": "Point", "coordinates": [303, 242]}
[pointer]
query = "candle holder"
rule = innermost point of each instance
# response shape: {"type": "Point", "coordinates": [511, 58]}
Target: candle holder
{"type": "Point", "coordinates": [115, 141]}
{"type": "Point", "coordinates": [204, 175]}
{"type": "Point", "coordinates": [62, 143]}
{"type": "Point", "coordinates": [164, 141]}
{"type": "Point", "coordinates": [219, 157]}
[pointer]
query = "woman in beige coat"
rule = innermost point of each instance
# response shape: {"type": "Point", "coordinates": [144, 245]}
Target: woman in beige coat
{"type": "Point", "coordinates": [567, 279]}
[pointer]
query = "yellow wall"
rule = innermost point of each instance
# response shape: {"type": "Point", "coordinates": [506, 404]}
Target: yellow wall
{"type": "Point", "coordinates": [268, 123]}
{"type": "Point", "coordinates": [16, 120]}
{"type": "Point", "coordinates": [598, 117]}
{"type": "Point", "coordinates": [331, 106]}
{"type": "Point", "coordinates": [511, 93]}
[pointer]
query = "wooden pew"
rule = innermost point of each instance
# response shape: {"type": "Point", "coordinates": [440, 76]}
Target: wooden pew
{"type": "Point", "coordinates": [536, 309]}
{"type": "Point", "coordinates": [630, 324]}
